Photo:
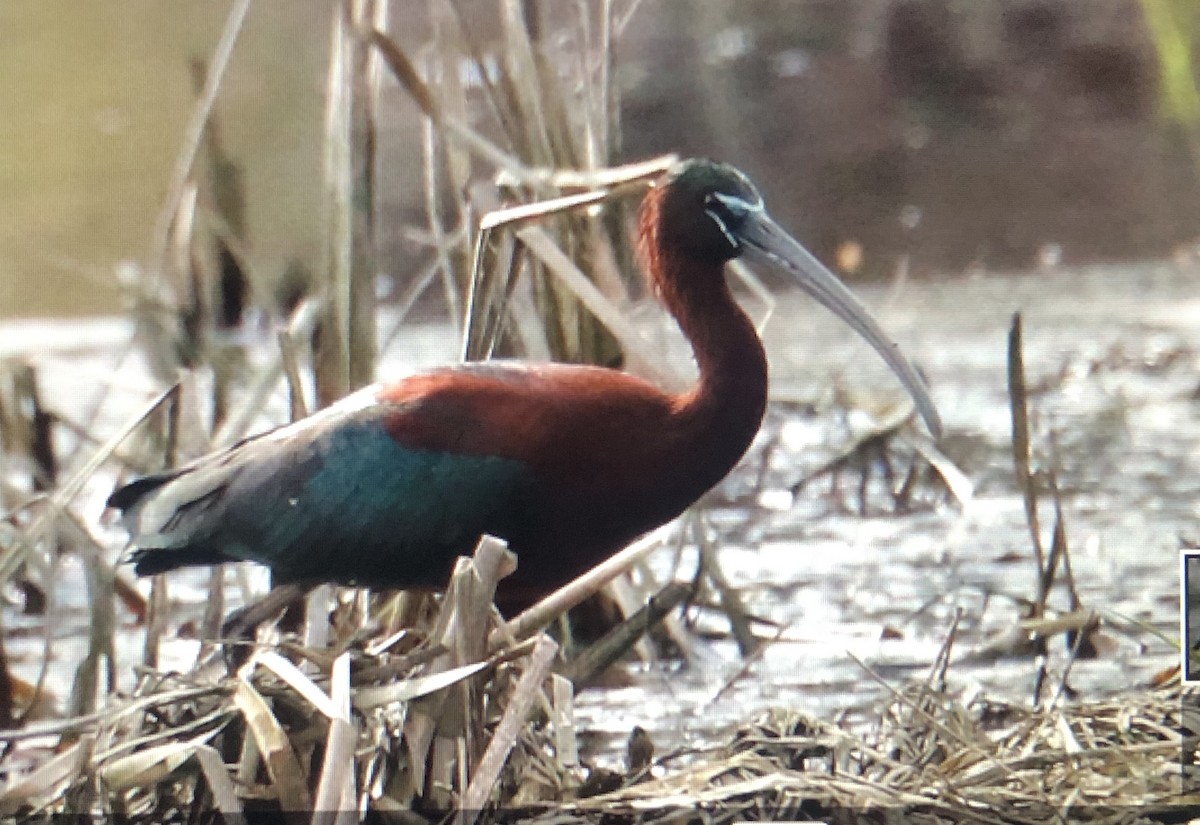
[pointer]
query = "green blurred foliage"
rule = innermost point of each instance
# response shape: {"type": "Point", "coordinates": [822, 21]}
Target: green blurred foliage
{"type": "Point", "coordinates": [1174, 27]}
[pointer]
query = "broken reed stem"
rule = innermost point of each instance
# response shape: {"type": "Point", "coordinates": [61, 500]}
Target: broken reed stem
{"type": "Point", "coordinates": [561, 600]}
{"type": "Point", "coordinates": [531, 105]}
{"type": "Point", "coordinates": [527, 690]}
{"type": "Point", "coordinates": [599, 656]}
{"type": "Point", "coordinates": [1079, 642]}
{"type": "Point", "coordinates": [336, 789]}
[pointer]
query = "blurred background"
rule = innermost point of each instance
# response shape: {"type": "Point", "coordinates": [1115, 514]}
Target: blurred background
{"type": "Point", "coordinates": [955, 136]}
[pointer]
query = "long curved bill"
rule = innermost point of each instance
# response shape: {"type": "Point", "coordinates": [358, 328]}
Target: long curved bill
{"type": "Point", "coordinates": [767, 241]}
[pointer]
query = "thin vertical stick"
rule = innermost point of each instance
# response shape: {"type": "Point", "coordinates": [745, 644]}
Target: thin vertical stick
{"type": "Point", "coordinates": [331, 360]}
{"type": "Point", "coordinates": [1020, 437]}
{"type": "Point", "coordinates": [365, 73]}
{"type": "Point", "coordinates": [160, 237]}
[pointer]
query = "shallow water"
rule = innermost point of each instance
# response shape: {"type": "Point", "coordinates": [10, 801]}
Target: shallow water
{"type": "Point", "coordinates": [1114, 351]}
{"type": "Point", "coordinates": [1111, 359]}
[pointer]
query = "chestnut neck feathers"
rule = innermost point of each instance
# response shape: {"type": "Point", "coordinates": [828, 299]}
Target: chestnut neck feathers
{"type": "Point", "coordinates": [725, 408]}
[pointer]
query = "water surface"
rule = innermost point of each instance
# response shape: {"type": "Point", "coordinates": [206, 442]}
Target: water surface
{"type": "Point", "coordinates": [1111, 359]}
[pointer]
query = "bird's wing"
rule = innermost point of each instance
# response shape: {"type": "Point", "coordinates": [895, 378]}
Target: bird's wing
{"type": "Point", "coordinates": [333, 497]}
{"type": "Point", "coordinates": [389, 485]}
{"type": "Point", "coordinates": [566, 423]}
{"type": "Point", "coordinates": [158, 509]}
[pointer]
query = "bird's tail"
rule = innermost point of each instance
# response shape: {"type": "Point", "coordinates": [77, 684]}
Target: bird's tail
{"type": "Point", "coordinates": [128, 495]}
{"type": "Point", "coordinates": [149, 561]}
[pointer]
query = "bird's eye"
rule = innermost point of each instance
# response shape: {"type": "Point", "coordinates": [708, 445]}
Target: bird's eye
{"type": "Point", "coordinates": [724, 218]}
{"type": "Point", "coordinates": [728, 212]}
{"type": "Point", "coordinates": [735, 207]}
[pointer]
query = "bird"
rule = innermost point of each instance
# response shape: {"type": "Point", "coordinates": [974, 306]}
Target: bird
{"type": "Point", "coordinates": [567, 463]}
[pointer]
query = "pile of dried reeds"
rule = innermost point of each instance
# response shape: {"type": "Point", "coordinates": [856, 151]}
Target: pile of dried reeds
{"type": "Point", "coordinates": [462, 714]}
{"type": "Point", "coordinates": [932, 757]}
{"type": "Point", "coordinates": [383, 718]}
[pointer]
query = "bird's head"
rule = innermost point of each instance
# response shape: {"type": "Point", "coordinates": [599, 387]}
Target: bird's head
{"type": "Point", "coordinates": [702, 214]}
{"type": "Point", "coordinates": [702, 208]}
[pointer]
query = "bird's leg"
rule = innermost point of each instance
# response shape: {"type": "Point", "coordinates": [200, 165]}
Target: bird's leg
{"type": "Point", "coordinates": [294, 612]}
{"type": "Point", "coordinates": [864, 483]}
{"type": "Point", "coordinates": [903, 496]}
{"type": "Point", "coordinates": [241, 626]}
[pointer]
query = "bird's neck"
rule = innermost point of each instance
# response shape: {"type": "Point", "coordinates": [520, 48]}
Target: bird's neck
{"type": "Point", "coordinates": [722, 413]}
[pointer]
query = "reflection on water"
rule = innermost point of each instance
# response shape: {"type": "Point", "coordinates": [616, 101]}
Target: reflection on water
{"type": "Point", "coordinates": [1112, 357]}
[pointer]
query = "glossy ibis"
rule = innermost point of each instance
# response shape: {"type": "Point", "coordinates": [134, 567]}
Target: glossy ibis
{"type": "Point", "coordinates": [567, 463]}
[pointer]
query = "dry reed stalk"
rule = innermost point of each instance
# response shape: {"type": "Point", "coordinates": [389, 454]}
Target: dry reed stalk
{"type": "Point", "coordinates": [516, 714]}
{"type": "Point", "coordinates": [562, 720]}
{"type": "Point", "coordinates": [331, 361]}
{"type": "Point", "coordinates": [607, 650]}
{"type": "Point", "coordinates": [220, 784]}
{"type": "Point", "coordinates": [366, 78]}
{"type": "Point", "coordinates": [284, 770]}
{"type": "Point", "coordinates": [560, 601]}
{"type": "Point", "coordinates": [1022, 454]}
{"type": "Point", "coordinates": [289, 358]}
{"type": "Point", "coordinates": [528, 102]}
{"type": "Point", "coordinates": [194, 133]}
{"type": "Point", "coordinates": [336, 791]}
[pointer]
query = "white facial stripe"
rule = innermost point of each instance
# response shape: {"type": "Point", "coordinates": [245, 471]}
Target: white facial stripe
{"type": "Point", "coordinates": [736, 205]}
{"type": "Point", "coordinates": [729, 236]}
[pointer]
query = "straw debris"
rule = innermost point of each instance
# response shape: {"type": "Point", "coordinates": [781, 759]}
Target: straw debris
{"type": "Point", "coordinates": [440, 725]}
{"type": "Point", "coordinates": [429, 722]}
{"type": "Point", "coordinates": [929, 757]}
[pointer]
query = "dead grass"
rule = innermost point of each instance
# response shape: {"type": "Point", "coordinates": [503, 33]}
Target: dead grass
{"type": "Point", "coordinates": [930, 758]}
{"type": "Point", "coordinates": [425, 718]}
